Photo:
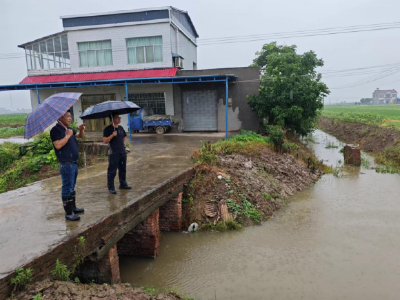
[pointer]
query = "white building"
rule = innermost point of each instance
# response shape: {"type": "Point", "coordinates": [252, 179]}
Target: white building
{"type": "Point", "coordinates": [384, 96]}
{"type": "Point", "coordinates": [115, 41]}
{"type": "Point", "coordinates": [147, 56]}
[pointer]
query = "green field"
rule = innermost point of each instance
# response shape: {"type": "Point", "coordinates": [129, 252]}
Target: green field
{"type": "Point", "coordinates": [13, 120]}
{"type": "Point", "coordinates": [12, 125]}
{"type": "Point", "coordinates": [384, 115]}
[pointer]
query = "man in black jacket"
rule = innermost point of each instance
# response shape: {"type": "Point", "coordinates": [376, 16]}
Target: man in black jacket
{"type": "Point", "coordinates": [115, 135]}
{"type": "Point", "coordinates": [66, 149]}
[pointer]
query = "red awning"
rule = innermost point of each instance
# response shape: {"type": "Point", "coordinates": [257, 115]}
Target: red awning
{"type": "Point", "coordinates": [77, 77]}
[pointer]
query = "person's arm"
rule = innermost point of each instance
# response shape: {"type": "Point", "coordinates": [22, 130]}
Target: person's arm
{"type": "Point", "coordinates": [106, 140]}
{"type": "Point", "coordinates": [81, 133]}
{"type": "Point", "coordinates": [61, 143]}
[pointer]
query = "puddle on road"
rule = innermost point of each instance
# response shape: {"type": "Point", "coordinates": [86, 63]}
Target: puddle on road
{"type": "Point", "coordinates": [338, 239]}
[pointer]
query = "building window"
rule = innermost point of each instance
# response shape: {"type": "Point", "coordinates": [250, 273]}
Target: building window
{"type": "Point", "coordinates": [154, 100]}
{"type": "Point", "coordinates": [144, 50]}
{"type": "Point", "coordinates": [95, 54]}
{"type": "Point", "coordinates": [48, 54]}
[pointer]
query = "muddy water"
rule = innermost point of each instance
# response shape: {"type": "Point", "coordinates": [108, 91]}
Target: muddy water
{"type": "Point", "coordinates": [340, 239]}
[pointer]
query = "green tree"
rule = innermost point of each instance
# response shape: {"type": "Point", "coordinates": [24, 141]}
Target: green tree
{"type": "Point", "coordinates": [291, 92]}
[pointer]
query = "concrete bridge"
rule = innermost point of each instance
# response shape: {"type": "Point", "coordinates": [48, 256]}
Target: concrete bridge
{"type": "Point", "coordinates": [34, 233]}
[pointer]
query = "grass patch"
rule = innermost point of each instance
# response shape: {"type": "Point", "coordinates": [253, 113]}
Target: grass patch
{"type": "Point", "coordinates": [6, 132]}
{"type": "Point", "coordinates": [356, 117]}
{"type": "Point", "coordinates": [383, 115]}
{"type": "Point", "coordinates": [331, 145]}
{"type": "Point", "coordinates": [22, 279]}
{"type": "Point", "coordinates": [152, 291]}
{"type": "Point", "coordinates": [24, 164]}
{"type": "Point", "coordinates": [389, 160]}
{"type": "Point", "coordinates": [60, 272]}
{"type": "Point", "coordinates": [13, 119]}
{"type": "Point", "coordinates": [244, 208]}
{"type": "Point", "coordinates": [246, 142]}
{"type": "Point", "coordinates": [222, 226]}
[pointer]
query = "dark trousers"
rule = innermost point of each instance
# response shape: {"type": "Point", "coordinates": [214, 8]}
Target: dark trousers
{"type": "Point", "coordinates": [116, 161]}
{"type": "Point", "coordinates": [68, 172]}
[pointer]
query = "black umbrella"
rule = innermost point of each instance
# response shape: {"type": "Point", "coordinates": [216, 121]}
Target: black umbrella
{"type": "Point", "coordinates": [105, 109]}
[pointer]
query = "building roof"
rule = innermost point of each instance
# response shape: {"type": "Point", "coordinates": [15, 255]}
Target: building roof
{"type": "Point", "coordinates": [387, 91]}
{"type": "Point", "coordinates": [128, 16]}
{"type": "Point", "coordinates": [76, 77]}
{"type": "Point", "coordinates": [41, 39]}
{"type": "Point", "coordinates": [118, 12]}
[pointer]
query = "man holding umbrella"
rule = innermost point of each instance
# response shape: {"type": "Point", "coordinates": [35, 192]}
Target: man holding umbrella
{"type": "Point", "coordinates": [66, 149]}
{"type": "Point", "coordinates": [56, 109]}
{"type": "Point", "coordinates": [115, 135]}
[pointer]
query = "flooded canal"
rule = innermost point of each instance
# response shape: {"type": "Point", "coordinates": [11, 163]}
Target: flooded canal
{"type": "Point", "coordinates": [340, 239]}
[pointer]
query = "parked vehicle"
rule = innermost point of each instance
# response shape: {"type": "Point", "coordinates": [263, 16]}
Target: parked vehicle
{"type": "Point", "coordinates": [145, 119]}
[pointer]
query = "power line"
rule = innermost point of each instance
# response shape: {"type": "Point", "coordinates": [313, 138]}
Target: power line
{"type": "Point", "coordinates": [250, 38]}
{"type": "Point", "coordinates": [303, 31]}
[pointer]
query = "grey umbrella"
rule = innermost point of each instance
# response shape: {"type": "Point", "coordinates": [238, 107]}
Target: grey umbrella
{"type": "Point", "coordinates": [107, 108]}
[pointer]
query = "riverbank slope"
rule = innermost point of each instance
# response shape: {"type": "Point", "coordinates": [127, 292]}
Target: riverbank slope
{"type": "Point", "coordinates": [244, 180]}
{"type": "Point", "coordinates": [382, 142]}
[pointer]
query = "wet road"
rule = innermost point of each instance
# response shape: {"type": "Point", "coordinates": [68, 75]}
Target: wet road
{"type": "Point", "coordinates": [32, 218]}
{"type": "Point", "coordinates": [337, 240]}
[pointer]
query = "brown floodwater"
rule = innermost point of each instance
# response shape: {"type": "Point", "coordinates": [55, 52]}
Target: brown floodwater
{"type": "Point", "coordinates": [339, 239]}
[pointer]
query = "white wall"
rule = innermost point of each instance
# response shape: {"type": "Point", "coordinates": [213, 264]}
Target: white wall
{"type": "Point", "coordinates": [173, 34]}
{"type": "Point", "coordinates": [118, 91]}
{"type": "Point", "coordinates": [118, 36]}
{"type": "Point", "coordinates": [187, 50]}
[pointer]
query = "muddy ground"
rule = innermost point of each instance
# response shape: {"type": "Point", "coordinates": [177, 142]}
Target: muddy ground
{"type": "Point", "coordinates": [370, 138]}
{"type": "Point", "coordinates": [61, 290]}
{"type": "Point", "coordinates": [265, 179]}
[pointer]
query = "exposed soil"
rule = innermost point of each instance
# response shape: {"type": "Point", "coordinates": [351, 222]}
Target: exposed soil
{"type": "Point", "coordinates": [265, 179]}
{"type": "Point", "coordinates": [370, 138]}
{"type": "Point", "coordinates": [61, 290]}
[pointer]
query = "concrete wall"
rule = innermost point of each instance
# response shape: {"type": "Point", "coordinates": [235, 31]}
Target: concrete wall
{"type": "Point", "coordinates": [119, 92]}
{"type": "Point", "coordinates": [240, 116]}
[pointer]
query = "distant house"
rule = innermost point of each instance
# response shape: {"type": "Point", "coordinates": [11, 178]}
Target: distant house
{"type": "Point", "coordinates": [384, 96]}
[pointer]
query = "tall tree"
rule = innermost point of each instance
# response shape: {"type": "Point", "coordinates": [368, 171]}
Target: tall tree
{"type": "Point", "coordinates": [291, 92]}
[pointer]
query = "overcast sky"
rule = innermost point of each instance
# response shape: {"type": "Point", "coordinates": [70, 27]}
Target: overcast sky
{"type": "Point", "coordinates": [25, 20]}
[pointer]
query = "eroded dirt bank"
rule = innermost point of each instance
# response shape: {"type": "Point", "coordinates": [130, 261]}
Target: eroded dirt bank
{"type": "Point", "coordinates": [247, 188]}
{"type": "Point", "coordinates": [370, 138]}
{"type": "Point", "coordinates": [383, 143]}
{"type": "Point", "coordinates": [62, 290]}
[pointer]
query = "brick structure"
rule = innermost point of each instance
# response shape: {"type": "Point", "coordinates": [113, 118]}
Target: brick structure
{"type": "Point", "coordinates": [109, 267]}
{"type": "Point", "coordinates": [352, 155]}
{"type": "Point", "coordinates": [143, 240]}
{"type": "Point", "coordinates": [105, 270]}
{"type": "Point", "coordinates": [171, 214]}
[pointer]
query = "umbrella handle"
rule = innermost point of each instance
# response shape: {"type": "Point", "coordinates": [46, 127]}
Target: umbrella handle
{"type": "Point", "coordinates": [112, 120]}
{"type": "Point", "coordinates": [61, 123]}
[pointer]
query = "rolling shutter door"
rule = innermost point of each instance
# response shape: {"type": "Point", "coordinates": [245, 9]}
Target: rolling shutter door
{"type": "Point", "coordinates": [200, 110]}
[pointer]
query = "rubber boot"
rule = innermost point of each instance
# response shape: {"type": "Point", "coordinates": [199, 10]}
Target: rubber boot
{"type": "Point", "coordinates": [69, 211]}
{"type": "Point", "coordinates": [76, 210]}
